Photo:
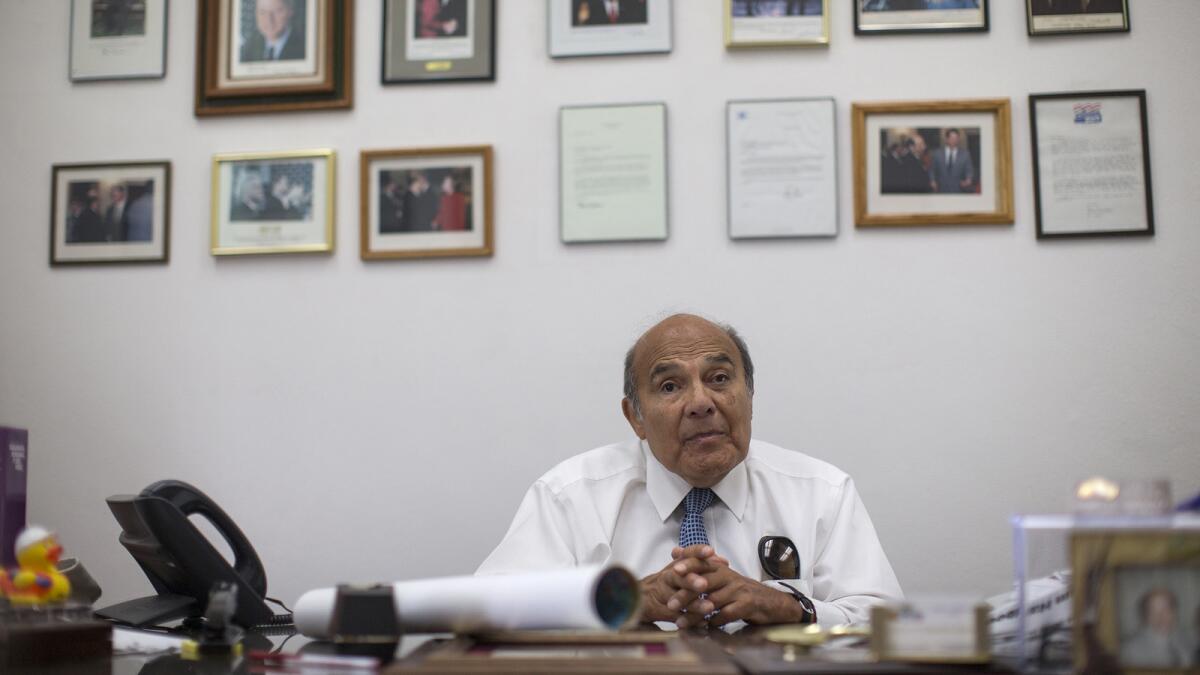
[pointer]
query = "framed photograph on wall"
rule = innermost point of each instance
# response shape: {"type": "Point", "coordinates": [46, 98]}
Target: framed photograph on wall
{"type": "Point", "coordinates": [255, 56]}
{"type": "Point", "coordinates": [1062, 17]}
{"type": "Point", "coordinates": [599, 27]}
{"type": "Point", "coordinates": [1135, 600]}
{"type": "Point", "coordinates": [781, 171]}
{"type": "Point", "coordinates": [613, 172]}
{"type": "Point", "coordinates": [118, 39]}
{"type": "Point", "coordinates": [426, 202]}
{"type": "Point", "coordinates": [438, 41]}
{"type": "Point", "coordinates": [1091, 164]}
{"type": "Point", "coordinates": [876, 17]}
{"type": "Point", "coordinates": [933, 162]}
{"type": "Point", "coordinates": [776, 23]}
{"type": "Point", "coordinates": [273, 202]}
{"type": "Point", "coordinates": [117, 212]}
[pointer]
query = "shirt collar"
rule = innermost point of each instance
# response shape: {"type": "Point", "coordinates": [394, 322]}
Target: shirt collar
{"type": "Point", "coordinates": [278, 44]}
{"type": "Point", "coordinates": [667, 489]}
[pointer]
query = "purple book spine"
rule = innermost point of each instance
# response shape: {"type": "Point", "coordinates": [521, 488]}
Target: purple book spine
{"type": "Point", "coordinates": [14, 464]}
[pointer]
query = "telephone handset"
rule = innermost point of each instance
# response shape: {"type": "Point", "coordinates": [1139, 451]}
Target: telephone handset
{"type": "Point", "coordinates": [180, 562]}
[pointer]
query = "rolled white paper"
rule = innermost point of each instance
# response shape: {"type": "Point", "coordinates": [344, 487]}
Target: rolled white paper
{"type": "Point", "coordinates": [597, 598]}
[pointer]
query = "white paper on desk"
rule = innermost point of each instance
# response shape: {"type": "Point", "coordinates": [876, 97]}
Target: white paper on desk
{"type": "Point", "coordinates": [559, 599]}
{"type": "Point", "coordinates": [132, 641]}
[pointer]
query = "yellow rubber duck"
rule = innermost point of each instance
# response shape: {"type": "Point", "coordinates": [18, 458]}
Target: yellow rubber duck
{"type": "Point", "coordinates": [37, 580]}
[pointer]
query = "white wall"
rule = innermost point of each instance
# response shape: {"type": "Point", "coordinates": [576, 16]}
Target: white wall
{"type": "Point", "coordinates": [381, 421]}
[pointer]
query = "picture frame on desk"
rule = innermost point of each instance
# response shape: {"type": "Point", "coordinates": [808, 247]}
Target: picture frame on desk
{"type": "Point", "coordinates": [426, 203]}
{"type": "Point", "coordinates": [776, 23]}
{"type": "Point", "coordinates": [1067, 17]}
{"type": "Point", "coordinates": [451, 41]}
{"type": "Point", "coordinates": [113, 212]}
{"type": "Point", "coordinates": [1091, 164]}
{"type": "Point", "coordinates": [262, 56]}
{"type": "Point", "coordinates": [1135, 594]}
{"type": "Point", "coordinates": [118, 39]}
{"type": "Point", "coordinates": [881, 17]}
{"type": "Point", "coordinates": [933, 163]}
{"type": "Point", "coordinates": [585, 28]}
{"type": "Point", "coordinates": [273, 202]}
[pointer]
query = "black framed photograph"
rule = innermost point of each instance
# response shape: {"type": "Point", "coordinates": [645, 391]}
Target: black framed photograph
{"type": "Point", "coordinates": [933, 162]}
{"type": "Point", "coordinates": [255, 56]}
{"type": "Point", "coordinates": [273, 202]}
{"type": "Point", "coordinates": [602, 27]}
{"type": "Point", "coordinates": [1064, 17]}
{"type": "Point", "coordinates": [426, 202]}
{"type": "Point", "coordinates": [877, 17]}
{"type": "Point", "coordinates": [115, 212]}
{"type": "Point", "coordinates": [776, 23]}
{"type": "Point", "coordinates": [1091, 164]}
{"type": "Point", "coordinates": [438, 41]}
{"type": "Point", "coordinates": [118, 39]}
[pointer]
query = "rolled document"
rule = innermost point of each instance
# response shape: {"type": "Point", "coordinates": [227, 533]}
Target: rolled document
{"type": "Point", "coordinates": [597, 598]}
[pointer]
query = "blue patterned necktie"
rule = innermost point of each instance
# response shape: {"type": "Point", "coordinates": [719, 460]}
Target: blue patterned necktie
{"type": "Point", "coordinates": [691, 531]}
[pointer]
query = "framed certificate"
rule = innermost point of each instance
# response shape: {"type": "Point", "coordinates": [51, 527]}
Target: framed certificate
{"type": "Point", "coordinates": [776, 23]}
{"type": "Point", "coordinates": [273, 202]}
{"type": "Point", "coordinates": [781, 168]}
{"type": "Point", "coordinates": [118, 212]}
{"type": "Point", "coordinates": [118, 39]}
{"type": "Point", "coordinates": [613, 172]}
{"type": "Point", "coordinates": [1091, 164]}
{"type": "Point", "coordinates": [1062, 17]}
{"type": "Point", "coordinates": [438, 41]}
{"type": "Point", "coordinates": [878, 17]}
{"type": "Point", "coordinates": [933, 162]}
{"type": "Point", "coordinates": [597, 27]}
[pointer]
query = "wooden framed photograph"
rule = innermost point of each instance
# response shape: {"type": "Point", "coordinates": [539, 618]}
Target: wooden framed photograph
{"type": "Point", "coordinates": [1064, 17]}
{"type": "Point", "coordinates": [776, 23]}
{"type": "Point", "coordinates": [602, 27]}
{"type": "Point", "coordinates": [933, 162]}
{"type": "Point", "coordinates": [613, 172]}
{"type": "Point", "coordinates": [255, 56]}
{"type": "Point", "coordinates": [1091, 164]}
{"type": "Point", "coordinates": [781, 168]}
{"type": "Point", "coordinates": [116, 212]}
{"type": "Point", "coordinates": [426, 202]}
{"type": "Point", "coordinates": [1136, 600]}
{"type": "Point", "coordinates": [118, 39]}
{"type": "Point", "coordinates": [273, 202]}
{"type": "Point", "coordinates": [876, 17]}
{"type": "Point", "coordinates": [438, 41]}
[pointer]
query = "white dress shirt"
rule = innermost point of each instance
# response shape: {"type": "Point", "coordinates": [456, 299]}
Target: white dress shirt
{"type": "Point", "coordinates": [619, 504]}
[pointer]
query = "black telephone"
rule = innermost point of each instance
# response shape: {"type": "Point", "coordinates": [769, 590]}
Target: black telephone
{"type": "Point", "coordinates": [180, 562]}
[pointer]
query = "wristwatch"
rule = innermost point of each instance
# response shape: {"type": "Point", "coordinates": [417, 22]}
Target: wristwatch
{"type": "Point", "coordinates": [810, 612]}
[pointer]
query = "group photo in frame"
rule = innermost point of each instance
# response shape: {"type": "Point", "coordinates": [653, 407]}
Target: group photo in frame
{"type": "Point", "coordinates": [118, 39]}
{"type": "Point", "coordinates": [425, 202]}
{"type": "Point", "coordinates": [256, 56]}
{"type": "Point", "coordinates": [1091, 164]}
{"type": "Point", "coordinates": [875, 17]}
{"type": "Point", "coordinates": [606, 27]}
{"type": "Point", "coordinates": [117, 212]}
{"type": "Point", "coordinates": [1136, 600]}
{"type": "Point", "coordinates": [781, 168]}
{"type": "Point", "coordinates": [933, 162]}
{"type": "Point", "coordinates": [1064, 17]}
{"type": "Point", "coordinates": [612, 182]}
{"type": "Point", "coordinates": [438, 41]}
{"type": "Point", "coordinates": [273, 202]}
{"type": "Point", "coordinates": [776, 23]}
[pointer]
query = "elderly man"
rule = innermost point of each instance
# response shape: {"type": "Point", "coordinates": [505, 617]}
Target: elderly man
{"type": "Point", "coordinates": [274, 39]}
{"type": "Point", "coordinates": [689, 506]}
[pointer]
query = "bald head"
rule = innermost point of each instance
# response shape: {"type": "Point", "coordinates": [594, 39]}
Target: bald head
{"type": "Point", "coordinates": [677, 320]}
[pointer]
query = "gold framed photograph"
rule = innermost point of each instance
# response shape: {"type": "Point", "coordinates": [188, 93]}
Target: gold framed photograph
{"type": "Point", "coordinates": [776, 23]}
{"type": "Point", "coordinates": [933, 162]}
{"type": "Point", "coordinates": [1136, 600]}
{"type": "Point", "coordinates": [115, 212]}
{"type": "Point", "coordinates": [273, 202]}
{"type": "Point", "coordinates": [425, 202]}
{"type": "Point", "coordinates": [273, 55]}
